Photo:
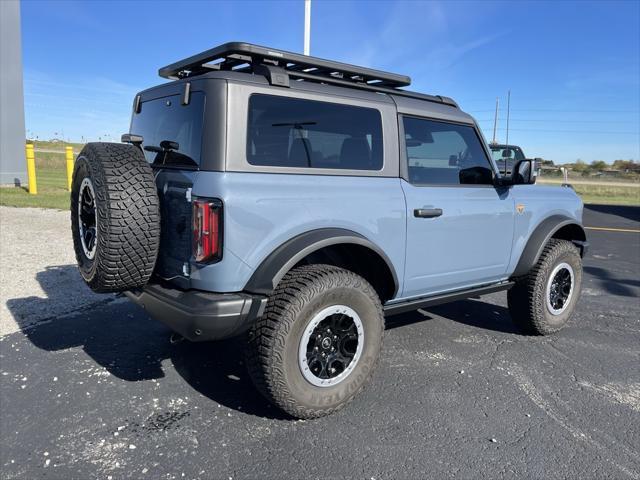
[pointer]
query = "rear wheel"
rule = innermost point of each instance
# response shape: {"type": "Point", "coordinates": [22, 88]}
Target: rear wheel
{"type": "Point", "coordinates": [543, 301]}
{"type": "Point", "coordinates": [317, 344]}
{"type": "Point", "coordinates": [115, 217]}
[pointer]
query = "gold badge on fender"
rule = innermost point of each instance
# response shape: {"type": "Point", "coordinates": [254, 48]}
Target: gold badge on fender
{"type": "Point", "coordinates": [520, 208]}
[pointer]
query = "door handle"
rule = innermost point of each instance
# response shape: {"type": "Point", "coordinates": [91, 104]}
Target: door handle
{"type": "Point", "coordinates": [427, 212]}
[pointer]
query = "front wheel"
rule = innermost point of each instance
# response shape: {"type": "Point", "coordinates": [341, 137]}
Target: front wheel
{"type": "Point", "coordinates": [543, 301]}
{"type": "Point", "coordinates": [317, 344]}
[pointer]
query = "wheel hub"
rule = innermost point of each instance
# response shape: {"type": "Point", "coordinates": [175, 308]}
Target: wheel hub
{"type": "Point", "coordinates": [560, 288]}
{"type": "Point", "coordinates": [331, 346]}
{"type": "Point", "coordinates": [87, 218]}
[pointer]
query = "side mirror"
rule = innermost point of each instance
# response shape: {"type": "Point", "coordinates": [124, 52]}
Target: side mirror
{"type": "Point", "coordinates": [522, 174]}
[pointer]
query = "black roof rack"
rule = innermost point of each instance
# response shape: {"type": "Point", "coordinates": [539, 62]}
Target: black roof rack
{"type": "Point", "coordinates": [279, 66]}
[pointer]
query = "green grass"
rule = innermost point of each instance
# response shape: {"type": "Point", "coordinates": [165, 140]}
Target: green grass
{"type": "Point", "coordinates": [611, 194]}
{"type": "Point", "coordinates": [51, 178]}
{"type": "Point", "coordinates": [607, 194]}
{"type": "Point", "coordinates": [51, 160]}
{"type": "Point", "coordinates": [52, 191]}
{"type": "Point", "coordinates": [55, 145]}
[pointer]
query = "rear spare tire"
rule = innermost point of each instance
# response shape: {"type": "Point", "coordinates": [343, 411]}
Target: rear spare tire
{"type": "Point", "coordinates": [115, 217]}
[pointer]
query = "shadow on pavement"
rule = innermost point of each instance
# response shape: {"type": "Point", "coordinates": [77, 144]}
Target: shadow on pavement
{"type": "Point", "coordinates": [472, 312]}
{"type": "Point", "coordinates": [612, 284]}
{"type": "Point", "coordinates": [120, 337]}
{"type": "Point", "coordinates": [625, 211]}
{"type": "Point", "coordinates": [65, 291]}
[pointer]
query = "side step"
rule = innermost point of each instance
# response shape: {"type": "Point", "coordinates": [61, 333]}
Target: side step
{"type": "Point", "coordinates": [409, 305]}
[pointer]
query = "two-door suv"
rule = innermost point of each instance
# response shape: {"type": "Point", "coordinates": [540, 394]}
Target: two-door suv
{"type": "Point", "coordinates": [298, 201]}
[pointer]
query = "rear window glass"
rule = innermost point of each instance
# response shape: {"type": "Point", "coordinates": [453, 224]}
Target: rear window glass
{"type": "Point", "coordinates": [166, 120]}
{"type": "Point", "coordinates": [290, 132]}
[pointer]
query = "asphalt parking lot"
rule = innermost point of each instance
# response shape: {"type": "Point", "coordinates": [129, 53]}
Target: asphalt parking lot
{"type": "Point", "coordinates": [102, 393]}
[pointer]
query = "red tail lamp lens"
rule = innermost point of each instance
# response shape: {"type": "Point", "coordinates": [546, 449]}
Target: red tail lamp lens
{"type": "Point", "coordinates": [206, 230]}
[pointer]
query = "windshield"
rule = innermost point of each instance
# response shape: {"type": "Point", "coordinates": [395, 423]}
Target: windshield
{"type": "Point", "coordinates": [509, 153]}
{"type": "Point", "coordinates": [172, 132]}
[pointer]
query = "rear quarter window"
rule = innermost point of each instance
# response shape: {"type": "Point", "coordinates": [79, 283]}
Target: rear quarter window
{"type": "Point", "coordinates": [290, 132]}
{"type": "Point", "coordinates": [167, 120]}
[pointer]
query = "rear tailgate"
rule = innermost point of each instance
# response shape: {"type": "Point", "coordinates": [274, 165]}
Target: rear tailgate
{"type": "Point", "coordinates": [174, 190]}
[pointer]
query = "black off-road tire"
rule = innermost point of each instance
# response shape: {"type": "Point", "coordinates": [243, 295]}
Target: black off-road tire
{"type": "Point", "coordinates": [527, 299]}
{"type": "Point", "coordinates": [127, 216]}
{"type": "Point", "coordinates": [274, 340]}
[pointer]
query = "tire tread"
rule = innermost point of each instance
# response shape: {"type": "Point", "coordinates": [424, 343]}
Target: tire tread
{"type": "Point", "coordinates": [526, 299]}
{"type": "Point", "coordinates": [265, 347]}
{"type": "Point", "coordinates": [128, 217]}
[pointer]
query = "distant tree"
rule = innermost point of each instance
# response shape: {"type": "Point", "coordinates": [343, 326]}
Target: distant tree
{"type": "Point", "coordinates": [627, 165]}
{"type": "Point", "coordinates": [579, 166]}
{"type": "Point", "coordinates": [598, 165]}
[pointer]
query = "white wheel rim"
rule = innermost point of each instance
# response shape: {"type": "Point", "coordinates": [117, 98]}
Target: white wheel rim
{"type": "Point", "coordinates": [324, 344]}
{"type": "Point", "coordinates": [558, 301]}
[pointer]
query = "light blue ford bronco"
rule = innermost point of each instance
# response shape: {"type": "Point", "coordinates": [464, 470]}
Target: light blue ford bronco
{"type": "Point", "coordinates": [298, 201]}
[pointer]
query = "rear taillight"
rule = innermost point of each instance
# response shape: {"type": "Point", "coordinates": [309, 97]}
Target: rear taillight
{"type": "Point", "coordinates": [207, 230]}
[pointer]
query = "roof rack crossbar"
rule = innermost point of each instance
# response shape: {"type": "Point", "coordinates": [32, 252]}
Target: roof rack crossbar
{"type": "Point", "coordinates": [258, 54]}
{"type": "Point", "coordinates": [246, 57]}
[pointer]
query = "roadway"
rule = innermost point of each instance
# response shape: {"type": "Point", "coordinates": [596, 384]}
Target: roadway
{"type": "Point", "coordinates": [102, 393]}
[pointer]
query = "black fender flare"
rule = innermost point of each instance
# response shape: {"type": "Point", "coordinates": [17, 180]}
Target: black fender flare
{"type": "Point", "coordinates": [541, 235]}
{"type": "Point", "coordinates": [269, 273]}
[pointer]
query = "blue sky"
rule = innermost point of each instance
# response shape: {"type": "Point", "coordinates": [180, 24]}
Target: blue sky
{"type": "Point", "coordinates": [573, 68]}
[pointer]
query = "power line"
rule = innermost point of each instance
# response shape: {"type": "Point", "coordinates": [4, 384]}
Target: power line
{"type": "Point", "coordinates": [558, 110]}
{"type": "Point", "coordinates": [552, 120]}
{"type": "Point", "coordinates": [570, 131]}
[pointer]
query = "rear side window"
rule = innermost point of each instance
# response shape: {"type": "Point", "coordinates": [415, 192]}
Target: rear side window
{"type": "Point", "coordinates": [165, 120]}
{"type": "Point", "coordinates": [290, 132]}
{"type": "Point", "coordinates": [440, 153]}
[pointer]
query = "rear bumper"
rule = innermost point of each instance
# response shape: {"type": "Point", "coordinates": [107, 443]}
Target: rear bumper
{"type": "Point", "coordinates": [198, 315]}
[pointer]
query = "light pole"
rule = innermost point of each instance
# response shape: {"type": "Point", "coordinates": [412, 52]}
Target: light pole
{"type": "Point", "coordinates": [307, 26]}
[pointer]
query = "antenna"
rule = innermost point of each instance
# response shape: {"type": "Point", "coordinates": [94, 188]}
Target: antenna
{"type": "Point", "coordinates": [495, 122]}
{"type": "Point", "coordinates": [307, 27]}
{"type": "Point", "coordinates": [507, 139]}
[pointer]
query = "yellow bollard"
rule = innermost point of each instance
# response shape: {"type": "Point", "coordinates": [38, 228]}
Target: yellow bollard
{"type": "Point", "coordinates": [69, 151]}
{"type": "Point", "coordinates": [31, 170]}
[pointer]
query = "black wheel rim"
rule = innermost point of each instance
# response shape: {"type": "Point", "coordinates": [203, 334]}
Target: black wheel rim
{"type": "Point", "coordinates": [87, 218]}
{"type": "Point", "coordinates": [560, 288]}
{"type": "Point", "coordinates": [331, 346]}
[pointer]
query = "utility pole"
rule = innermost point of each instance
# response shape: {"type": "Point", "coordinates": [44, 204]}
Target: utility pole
{"type": "Point", "coordinates": [495, 122]}
{"type": "Point", "coordinates": [508, 110]}
{"type": "Point", "coordinates": [307, 27]}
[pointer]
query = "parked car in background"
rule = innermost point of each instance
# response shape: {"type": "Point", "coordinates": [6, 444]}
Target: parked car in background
{"type": "Point", "coordinates": [506, 156]}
